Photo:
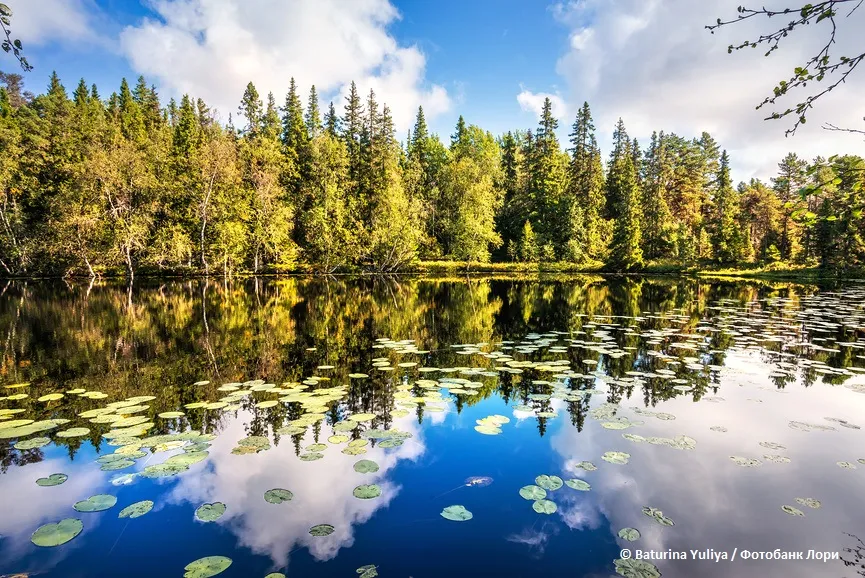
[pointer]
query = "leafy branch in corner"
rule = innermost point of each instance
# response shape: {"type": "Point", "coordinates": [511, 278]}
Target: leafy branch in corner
{"type": "Point", "coordinates": [820, 66]}
{"type": "Point", "coordinates": [8, 44]}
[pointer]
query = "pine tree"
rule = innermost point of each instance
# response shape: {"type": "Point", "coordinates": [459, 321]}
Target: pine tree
{"type": "Point", "coordinates": [547, 183]}
{"type": "Point", "coordinates": [251, 109]}
{"type": "Point", "coordinates": [658, 228]}
{"type": "Point", "coordinates": [791, 177]}
{"type": "Point", "coordinates": [294, 131]}
{"type": "Point", "coordinates": [313, 116]}
{"type": "Point", "coordinates": [352, 126]}
{"type": "Point", "coordinates": [727, 240]}
{"type": "Point", "coordinates": [586, 186]}
{"type": "Point", "coordinates": [623, 196]}
{"type": "Point", "coordinates": [331, 122]}
{"type": "Point", "coordinates": [271, 121]}
{"type": "Point", "coordinates": [131, 118]}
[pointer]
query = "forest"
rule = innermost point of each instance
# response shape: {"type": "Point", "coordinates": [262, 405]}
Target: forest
{"type": "Point", "coordinates": [126, 185]}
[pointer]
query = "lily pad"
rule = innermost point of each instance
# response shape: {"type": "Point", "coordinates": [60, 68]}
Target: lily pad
{"type": "Point", "coordinates": [578, 485]}
{"type": "Point", "coordinates": [544, 507]}
{"type": "Point", "coordinates": [75, 432]}
{"type": "Point", "coordinates": [367, 491]}
{"type": "Point", "coordinates": [629, 534]}
{"type": "Point", "coordinates": [810, 502]}
{"type": "Point", "coordinates": [277, 496]}
{"type": "Point", "coordinates": [321, 530]}
{"type": "Point", "coordinates": [187, 458]}
{"type": "Point", "coordinates": [210, 512]}
{"type": "Point", "coordinates": [171, 414]}
{"type": "Point", "coordinates": [136, 510]}
{"type": "Point", "coordinates": [588, 466]}
{"type": "Point", "coordinates": [51, 535]}
{"type": "Point", "coordinates": [52, 480]}
{"type": "Point", "coordinates": [792, 511]}
{"type": "Point", "coordinates": [366, 467]}
{"type": "Point", "coordinates": [207, 567]}
{"type": "Point", "coordinates": [51, 397]}
{"type": "Point", "coordinates": [97, 503]}
{"type": "Point", "coordinates": [620, 458]}
{"type": "Point", "coordinates": [163, 470]}
{"type": "Point", "coordinates": [533, 493]}
{"type": "Point", "coordinates": [658, 516]}
{"type": "Point", "coordinates": [630, 568]}
{"type": "Point", "coordinates": [549, 482]}
{"type": "Point", "coordinates": [489, 430]}
{"type": "Point", "coordinates": [32, 444]}
{"type": "Point", "coordinates": [847, 465]}
{"type": "Point", "coordinates": [746, 462]}
{"type": "Point", "coordinates": [368, 571]}
{"type": "Point", "coordinates": [456, 513]}
{"type": "Point", "coordinates": [311, 457]}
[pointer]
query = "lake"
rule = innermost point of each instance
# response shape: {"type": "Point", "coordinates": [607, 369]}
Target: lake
{"type": "Point", "coordinates": [407, 427]}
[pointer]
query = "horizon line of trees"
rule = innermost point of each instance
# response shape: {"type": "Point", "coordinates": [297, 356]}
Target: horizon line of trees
{"type": "Point", "coordinates": [91, 185]}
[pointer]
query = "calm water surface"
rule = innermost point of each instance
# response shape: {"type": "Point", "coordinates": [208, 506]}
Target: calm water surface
{"type": "Point", "coordinates": [724, 400]}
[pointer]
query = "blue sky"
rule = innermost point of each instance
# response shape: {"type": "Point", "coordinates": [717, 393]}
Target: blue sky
{"type": "Point", "coordinates": [493, 61]}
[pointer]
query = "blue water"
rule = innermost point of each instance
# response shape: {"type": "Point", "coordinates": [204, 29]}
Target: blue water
{"type": "Point", "coordinates": [174, 335]}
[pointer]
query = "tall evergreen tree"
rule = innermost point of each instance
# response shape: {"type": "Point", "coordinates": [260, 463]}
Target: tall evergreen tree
{"type": "Point", "coordinates": [313, 115]}
{"type": "Point", "coordinates": [623, 196]}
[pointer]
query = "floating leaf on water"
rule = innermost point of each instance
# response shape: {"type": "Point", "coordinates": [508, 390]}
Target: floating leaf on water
{"type": "Point", "coordinates": [367, 491]}
{"type": "Point", "coordinates": [544, 507]}
{"type": "Point", "coordinates": [578, 485]}
{"type": "Point", "coordinates": [745, 462]}
{"type": "Point", "coordinates": [51, 535]}
{"type": "Point", "coordinates": [346, 425]}
{"type": "Point", "coordinates": [310, 457]}
{"type": "Point", "coordinates": [388, 443]}
{"type": "Point", "coordinates": [51, 397]}
{"type": "Point", "coordinates": [533, 492]}
{"type": "Point", "coordinates": [358, 443]}
{"type": "Point", "coordinates": [478, 481]}
{"type": "Point", "coordinates": [629, 534]}
{"type": "Point", "coordinates": [52, 480]}
{"type": "Point", "coordinates": [357, 375]}
{"type": "Point", "coordinates": [97, 503]}
{"type": "Point", "coordinates": [32, 444]}
{"type": "Point", "coordinates": [658, 516]}
{"type": "Point", "coordinates": [75, 432]}
{"type": "Point", "coordinates": [777, 459]}
{"type": "Point", "coordinates": [136, 510]}
{"type": "Point", "coordinates": [355, 451]}
{"type": "Point", "coordinates": [846, 465]}
{"type": "Point", "coordinates": [366, 467]}
{"type": "Point", "coordinates": [630, 568]}
{"type": "Point", "coordinates": [588, 466]}
{"type": "Point", "coordinates": [634, 437]}
{"type": "Point", "coordinates": [317, 447]}
{"type": "Point", "coordinates": [792, 511]}
{"type": "Point", "coordinates": [368, 571]}
{"type": "Point", "coordinates": [277, 496]}
{"type": "Point", "coordinates": [549, 482]}
{"type": "Point", "coordinates": [117, 464]}
{"type": "Point", "coordinates": [338, 439]}
{"type": "Point", "coordinates": [267, 404]}
{"type": "Point", "coordinates": [171, 414]}
{"type": "Point", "coordinates": [615, 425]}
{"type": "Point", "coordinates": [620, 458]}
{"type": "Point", "coordinates": [187, 458]}
{"type": "Point", "coordinates": [488, 429]}
{"type": "Point", "coordinates": [207, 567]}
{"type": "Point", "coordinates": [772, 446]}
{"type": "Point", "coordinates": [275, 575]}
{"type": "Point", "coordinates": [719, 428]}
{"type": "Point", "coordinates": [456, 513]}
{"type": "Point", "coordinates": [163, 470]}
{"type": "Point", "coordinates": [321, 530]}
{"type": "Point", "coordinates": [210, 512]}
{"type": "Point", "coordinates": [810, 502]}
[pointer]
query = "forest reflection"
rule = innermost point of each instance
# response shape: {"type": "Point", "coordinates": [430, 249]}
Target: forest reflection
{"type": "Point", "coordinates": [160, 338]}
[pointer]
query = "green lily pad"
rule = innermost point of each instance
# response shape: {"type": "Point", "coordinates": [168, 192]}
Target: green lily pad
{"type": "Point", "coordinates": [163, 470]}
{"type": "Point", "coordinates": [52, 480]}
{"type": "Point", "coordinates": [51, 397]}
{"type": "Point", "coordinates": [489, 430]}
{"type": "Point", "coordinates": [544, 507]}
{"type": "Point", "coordinates": [456, 514]}
{"type": "Point", "coordinates": [346, 425]}
{"type": "Point", "coordinates": [630, 568]}
{"type": "Point", "coordinates": [366, 467]}
{"type": "Point", "coordinates": [207, 567]}
{"type": "Point", "coordinates": [658, 516]}
{"type": "Point", "coordinates": [620, 458]}
{"type": "Point", "coordinates": [275, 575]}
{"type": "Point", "coordinates": [588, 466]}
{"type": "Point", "coordinates": [578, 485]}
{"type": "Point", "coordinates": [338, 439]}
{"type": "Point", "coordinates": [277, 496]}
{"type": "Point", "coordinates": [171, 414]}
{"type": "Point", "coordinates": [361, 417]}
{"type": "Point", "coordinates": [321, 530]}
{"type": "Point", "coordinates": [210, 512]}
{"type": "Point", "coordinates": [533, 493]}
{"type": "Point", "coordinates": [549, 482]}
{"type": "Point", "coordinates": [117, 464]}
{"type": "Point", "coordinates": [355, 451]}
{"type": "Point", "coordinates": [32, 443]}
{"type": "Point", "coordinates": [629, 534]}
{"type": "Point", "coordinates": [367, 491]}
{"type": "Point", "coordinates": [746, 462]}
{"type": "Point", "coordinates": [187, 458]}
{"type": "Point", "coordinates": [388, 443]}
{"type": "Point", "coordinates": [136, 510]}
{"type": "Point", "coordinates": [810, 502]}
{"type": "Point", "coordinates": [51, 535]}
{"type": "Point", "coordinates": [792, 511]}
{"type": "Point", "coordinates": [75, 432]}
{"type": "Point", "coordinates": [846, 465]}
{"type": "Point", "coordinates": [97, 503]}
{"type": "Point", "coordinates": [368, 571]}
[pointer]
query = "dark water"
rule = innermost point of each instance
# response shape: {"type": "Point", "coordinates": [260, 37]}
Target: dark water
{"type": "Point", "coordinates": [726, 364]}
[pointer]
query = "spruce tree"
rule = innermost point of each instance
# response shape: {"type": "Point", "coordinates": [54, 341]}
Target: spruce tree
{"type": "Point", "coordinates": [313, 116]}
{"type": "Point", "coordinates": [623, 194]}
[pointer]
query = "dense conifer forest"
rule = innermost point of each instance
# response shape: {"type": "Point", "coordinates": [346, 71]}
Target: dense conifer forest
{"type": "Point", "coordinates": [127, 184]}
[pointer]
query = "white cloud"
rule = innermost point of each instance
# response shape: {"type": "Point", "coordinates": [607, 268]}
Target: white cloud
{"type": "Point", "coordinates": [213, 48]}
{"type": "Point", "coordinates": [534, 102]}
{"type": "Point", "coordinates": [41, 21]}
{"type": "Point", "coordinates": [655, 65]}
